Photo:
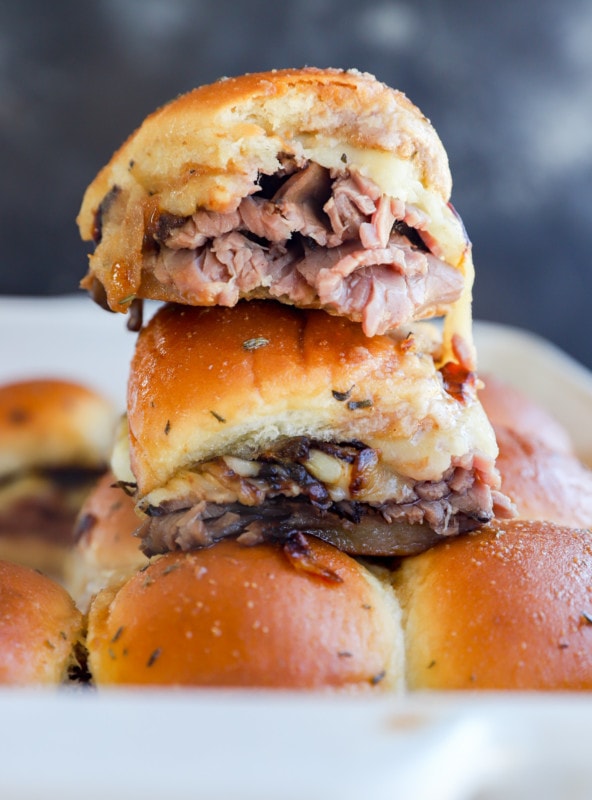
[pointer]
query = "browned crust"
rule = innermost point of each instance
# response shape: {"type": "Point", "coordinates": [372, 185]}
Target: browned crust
{"type": "Point", "coordinates": [246, 616]}
{"type": "Point", "coordinates": [209, 381]}
{"type": "Point", "coordinates": [506, 608]}
{"type": "Point", "coordinates": [205, 149]}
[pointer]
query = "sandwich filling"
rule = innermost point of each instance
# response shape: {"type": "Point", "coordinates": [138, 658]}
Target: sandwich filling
{"type": "Point", "coordinates": [344, 493]}
{"type": "Point", "coordinates": [38, 510]}
{"type": "Point", "coordinates": [308, 235]}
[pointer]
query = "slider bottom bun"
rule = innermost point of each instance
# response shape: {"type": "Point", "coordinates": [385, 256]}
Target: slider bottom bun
{"type": "Point", "coordinates": [509, 607]}
{"type": "Point", "coordinates": [40, 628]}
{"type": "Point", "coordinates": [105, 550]}
{"type": "Point", "coordinates": [261, 616]}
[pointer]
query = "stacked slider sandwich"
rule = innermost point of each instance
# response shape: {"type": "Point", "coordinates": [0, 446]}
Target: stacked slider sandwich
{"type": "Point", "coordinates": [294, 387]}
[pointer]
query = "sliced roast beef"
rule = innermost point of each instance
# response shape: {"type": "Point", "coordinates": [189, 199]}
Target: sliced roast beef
{"type": "Point", "coordinates": [276, 520]}
{"type": "Point", "coordinates": [278, 497]}
{"type": "Point", "coordinates": [358, 253]}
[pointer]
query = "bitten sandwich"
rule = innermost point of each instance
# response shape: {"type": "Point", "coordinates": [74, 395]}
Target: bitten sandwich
{"type": "Point", "coordinates": [318, 188]}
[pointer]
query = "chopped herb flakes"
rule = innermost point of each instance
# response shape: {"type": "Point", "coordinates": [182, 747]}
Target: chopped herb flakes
{"type": "Point", "coordinates": [378, 677]}
{"type": "Point", "coordinates": [342, 396]}
{"type": "Point", "coordinates": [355, 404]}
{"type": "Point", "coordinates": [255, 344]}
{"type": "Point", "coordinates": [219, 417]}
{"type": "Point", "coordinates": [153, 656]}
{"type": "Point", "coordinates": [167, 427]}
{"type": "Point", "coordinates": [117, 634]}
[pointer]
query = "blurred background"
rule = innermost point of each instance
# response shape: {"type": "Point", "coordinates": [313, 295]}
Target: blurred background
{"type": "Point", "coordinates": [508, 86]}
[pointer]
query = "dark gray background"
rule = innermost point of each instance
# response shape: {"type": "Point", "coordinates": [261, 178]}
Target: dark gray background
{"type": "Point", "coordinates": [508, 86]}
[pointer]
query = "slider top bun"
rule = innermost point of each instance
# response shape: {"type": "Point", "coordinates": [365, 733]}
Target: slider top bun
{"type": "Point", "coordinates": [231, 615]}
{"type": "Point", "coordinates": [539, 470]}
{"type": "Point", "coordinates": [40, 628]}
{"type": "Point", "coordinates": [509, 607]}
{"type": "Point", "coordinates": [509, 407]}
{"type": "Point", "coordinates": [544, 484]}
{"type": "Point", "coordinates": [208, 150]}
{"type": "Point", "coordinates": [206, 382]}
{"type": "Point", "coordinates": [207, 146]}
{"type": "Point", "coordinates": [47, 423]}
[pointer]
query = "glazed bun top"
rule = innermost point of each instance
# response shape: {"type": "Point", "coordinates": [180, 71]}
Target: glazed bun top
{"type": "Point", "coordinates": [544, 484]}
{"type": "Point", "coordinates": [231, 615]}
{"type": "Point", "coordinates": [206, 148]}
{"type": "Point", "coordinates": [47, 423]}
{"type": "Point", "coordinates": [215, 381]}
{"type": "Point", "coordinates": [505, 608]}
{"type": "Point", "coordinates": [539, 469]}
{"type": "Point", "coordinates": [509, 407]}
{"type": "Point", "coordinates": [201, 188]}
{"type": "Point", "coordinates": [105, 526]}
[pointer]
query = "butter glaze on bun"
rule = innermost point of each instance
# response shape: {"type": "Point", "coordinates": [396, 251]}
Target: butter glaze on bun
{"type": "Point", "coordinates": [508, 607]}
{"type": "Point", "coordinates": [204, 382]}
{"type": "Point", "coordinates": [219, 194]}
{"type": "Point", "coordinates": [235, 616]}
{"type": "Point", "coordinates": [40, 628]}
{"type": "Point", "coordinates": [207, 146]}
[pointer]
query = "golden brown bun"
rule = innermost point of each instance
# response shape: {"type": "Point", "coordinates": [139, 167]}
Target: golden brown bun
{"type": "Point", "coordinates": [53, 423]}
{"type": "Point", "coordinates": [248, 617]}
{"type": "Point", "coordinates": [505, 608]}
{"type": "Point", "coordinates": [509, 407]}
{"type": "Point", "coordinates": [543, 483]}
{"type": "Point", "coordinates": [40, 628]}
{"type": "Point", "coordinates": [206, 382]}
{"type": "Point", "coordinates": [207, 149]}
{"type": "Point", "coordinates": [106, 549]}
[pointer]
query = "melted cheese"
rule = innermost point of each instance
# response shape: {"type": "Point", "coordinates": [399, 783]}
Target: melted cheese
{"type": "Point", "coordinates": [399, 178]}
